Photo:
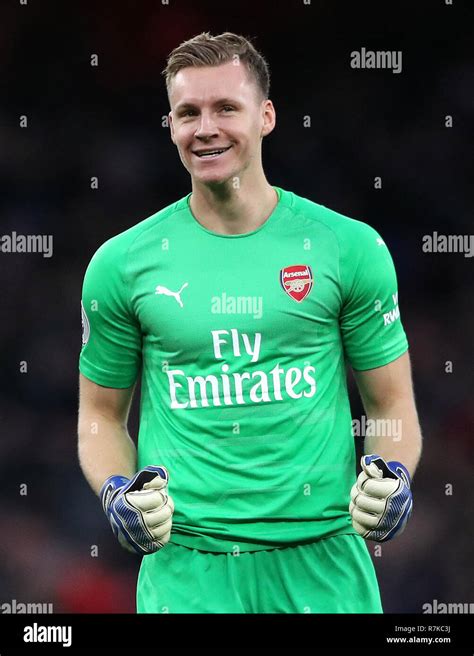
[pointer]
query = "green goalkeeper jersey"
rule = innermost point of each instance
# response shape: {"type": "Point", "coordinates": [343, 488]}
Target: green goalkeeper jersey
{"type": "Point", "coordinates": [242, 342]}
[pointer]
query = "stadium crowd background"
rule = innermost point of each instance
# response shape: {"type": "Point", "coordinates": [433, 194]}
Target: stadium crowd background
{"type": "Point", "coordinates": [107, 121]}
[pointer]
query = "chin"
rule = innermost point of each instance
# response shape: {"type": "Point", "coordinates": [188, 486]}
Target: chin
{"type": "Point", "coordinates": [214, 178]}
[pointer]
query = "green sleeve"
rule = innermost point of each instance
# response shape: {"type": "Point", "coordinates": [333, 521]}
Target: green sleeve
{"type": "Point", "coordinates": [371, 328]}
{"type": "Point", "coordinates": [111, 351]}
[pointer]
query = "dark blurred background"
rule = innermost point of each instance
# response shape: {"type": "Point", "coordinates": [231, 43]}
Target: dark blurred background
{"type": "Point", "coordinates": [106, 121]}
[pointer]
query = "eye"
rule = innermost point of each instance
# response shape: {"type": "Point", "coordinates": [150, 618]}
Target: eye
{"type": "Point", "coordinates": [187, 113]}
{"type": "Point", "coordinates": [228, 108]}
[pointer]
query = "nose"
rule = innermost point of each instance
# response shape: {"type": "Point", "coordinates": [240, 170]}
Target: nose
{"type": "Point", "coordinates": [206, 127]}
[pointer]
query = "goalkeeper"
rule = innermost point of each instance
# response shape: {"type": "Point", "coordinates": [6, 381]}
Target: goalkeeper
{"type": "Point", "coordinates": [241, 305]}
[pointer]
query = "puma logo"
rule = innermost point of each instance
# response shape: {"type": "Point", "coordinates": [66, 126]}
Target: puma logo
{"type": "Point", "coordinates": [177, 295]}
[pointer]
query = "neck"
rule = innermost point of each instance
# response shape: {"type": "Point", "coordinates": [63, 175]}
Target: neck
{"type": "Point", "coordinates": [229, 211]}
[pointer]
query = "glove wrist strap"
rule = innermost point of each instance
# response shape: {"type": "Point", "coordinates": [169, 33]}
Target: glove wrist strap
{"type": "Point", "coordinates": [400, 470]}
{"type": "Point", "coordinates": [109, 490]}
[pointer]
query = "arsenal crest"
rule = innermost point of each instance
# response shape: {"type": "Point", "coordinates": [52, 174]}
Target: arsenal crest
{"type": "Point", "coordinates": [297, 281]}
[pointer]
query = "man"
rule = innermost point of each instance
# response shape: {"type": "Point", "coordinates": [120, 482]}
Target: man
{"type": "Point", "coordinates": [241, 303]}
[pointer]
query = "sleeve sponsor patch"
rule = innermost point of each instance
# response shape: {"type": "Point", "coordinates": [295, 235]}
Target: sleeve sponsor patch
{"type": "Point", "coordinates": [86, 329]}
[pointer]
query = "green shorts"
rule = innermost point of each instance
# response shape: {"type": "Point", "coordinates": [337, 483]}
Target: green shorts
{"type": "Point", "coordinates": [332, 575]}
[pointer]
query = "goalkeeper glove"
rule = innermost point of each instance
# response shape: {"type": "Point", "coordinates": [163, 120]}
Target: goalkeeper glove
{"type": "Point", "coordinates": [381, 499]}
{"type": "Point", "coordinates": [139, 509]}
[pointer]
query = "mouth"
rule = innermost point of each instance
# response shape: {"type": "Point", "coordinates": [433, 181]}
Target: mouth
{"type": "Point", "coordinates": [210, 153]}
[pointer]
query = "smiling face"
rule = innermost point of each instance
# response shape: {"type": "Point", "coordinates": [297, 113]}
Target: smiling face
{"type": "Point", "coordinates": [218, 119]}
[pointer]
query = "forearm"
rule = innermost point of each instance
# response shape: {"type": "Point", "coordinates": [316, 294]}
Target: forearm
{"type": "Point", "coordinates": [105, 449]}
{"type": "Point", "coordinates": [397, 433]}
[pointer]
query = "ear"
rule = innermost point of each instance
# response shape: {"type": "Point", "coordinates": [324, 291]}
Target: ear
{"type": "Point", "coordinates": [170, 123]}
{"type": "Point", "coordinates": [269, 118]}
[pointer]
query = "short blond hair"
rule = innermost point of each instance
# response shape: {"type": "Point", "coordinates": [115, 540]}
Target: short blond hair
{"type": "Point", "coordinates": [207, 50]}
